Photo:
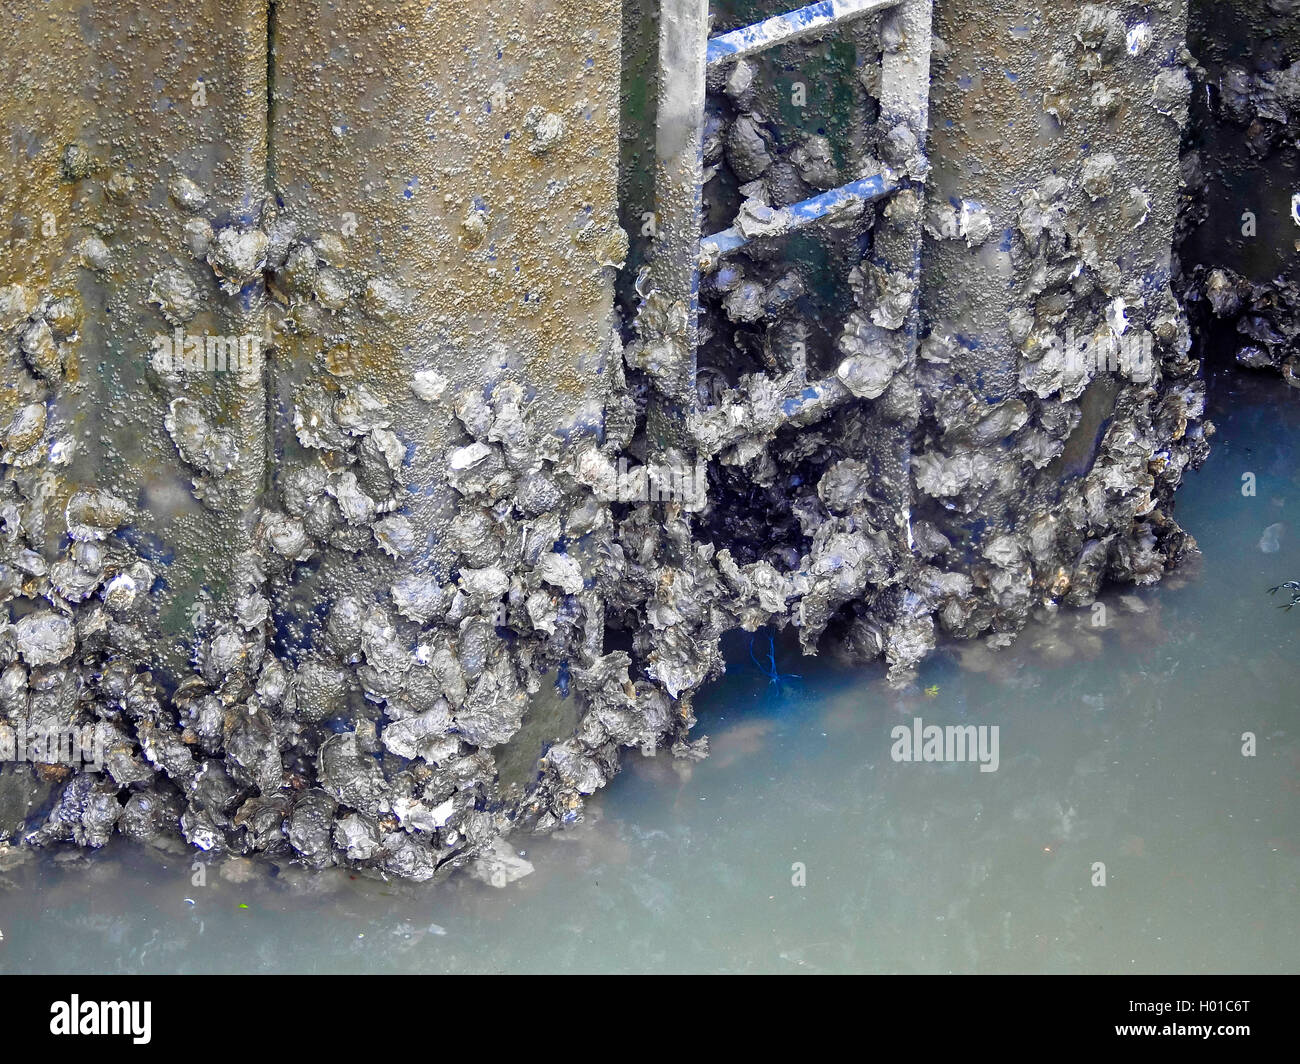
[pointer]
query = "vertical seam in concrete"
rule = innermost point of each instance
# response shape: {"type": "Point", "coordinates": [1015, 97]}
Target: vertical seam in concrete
{"type": "Point", "coordinates": [271, 12]}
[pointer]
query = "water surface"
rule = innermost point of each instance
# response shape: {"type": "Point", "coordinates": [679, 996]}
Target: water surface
{"type": "Point", "coordinates": [1120, 744]}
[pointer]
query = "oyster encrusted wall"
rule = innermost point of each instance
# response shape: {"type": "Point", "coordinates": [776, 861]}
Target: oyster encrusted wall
{"type": "Point", "coordinates": [134, 132]}
{"type": "Point", "coordinates": [387, 595]}
{"type": "Point", "coordinates": [1049, 465]}
{"type": "Point", "coordinates": [225, 568]}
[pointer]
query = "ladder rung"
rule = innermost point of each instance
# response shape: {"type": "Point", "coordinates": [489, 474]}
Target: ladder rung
{"type": "Point", "coordinates": [818, 398]}
{"type": "Point", "coordinates": [788, 27]}
{"type": "Point", "coordinates": [797, 215]}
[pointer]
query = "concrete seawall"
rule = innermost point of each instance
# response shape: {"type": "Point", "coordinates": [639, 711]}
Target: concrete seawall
{"type": "Point", "coordinates": [510, 464]}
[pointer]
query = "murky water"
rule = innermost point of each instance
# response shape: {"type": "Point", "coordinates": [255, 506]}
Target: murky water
{"type": "Point", "coordinates": [1119, 743]}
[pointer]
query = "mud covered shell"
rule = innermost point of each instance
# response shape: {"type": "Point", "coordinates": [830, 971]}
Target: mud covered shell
{"type": "Point", "coordinates": [237, 256]}
{"type": "Point", "coordinates": [176, 295]}
{"type": "Point", "coordinates": [343, 629]}
{"type": "Point", "coordinates": [42, 353]}
{"type": "Point", "coordinates": [211, 450]}
{"type": "Point", "coordinates": [197, 237]}
{"type": "Point", "coordinates": [76, 162]}
{"type": "Point", "coordinates": [186, 194]}
{"type": "Point", "coordinates": [544, 128]}
{"type": "Point", "coordinates": [120, 186]}
{"type": "Point", "coordinates": [93, 253]}
{"type": "Point", "coordinates": [45, 638]}
{"type": "Point", "coordinates": [351, 775]}
{"type": "Point", "coordinates": [475, 227]}
{"type": "Point", "coordinates": [16, 303]}
{"type": "Point", "coordinates": [94, 514]}
{"type": "Point", "coordinates": [1136, 207]}
{"type": "Point", "coordinates": [331, 289]}
{"type": "Point", "coordinates": [26, 428]}
{"type": "Point", "coordinates": [747, 149]}
{"type": "Point", "coordinates": [1098, 175]}
{"type": "Point", "coordinates": [301, 267]}
{"type": "Point", "coordinates": [1170, 93]}
{"type": "Point", "coordinates": [382, 300]}
{"type": "Point", "coordinates": [64, 316]}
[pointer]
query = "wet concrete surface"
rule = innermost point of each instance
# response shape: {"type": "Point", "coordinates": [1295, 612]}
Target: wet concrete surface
{"type": "Point", "coordinates": [428, 526]}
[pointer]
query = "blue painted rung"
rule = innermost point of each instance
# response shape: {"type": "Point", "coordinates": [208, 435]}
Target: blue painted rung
{"type": "Point", "coordinates": [793, 24]}
{"type": "Point", "coordinates": [798, 215]}
{"type": "Point", "coordinates": [819, 397]}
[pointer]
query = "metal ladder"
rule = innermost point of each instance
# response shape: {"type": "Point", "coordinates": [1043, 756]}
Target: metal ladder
{"type": "Point", "coordinates": [685, 53]}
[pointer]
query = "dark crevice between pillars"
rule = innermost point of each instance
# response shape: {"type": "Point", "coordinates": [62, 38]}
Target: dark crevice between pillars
{"type": "Point", "coordinates": [1237, 248]}
{"type": "Point", "coordinates": [271, 12]}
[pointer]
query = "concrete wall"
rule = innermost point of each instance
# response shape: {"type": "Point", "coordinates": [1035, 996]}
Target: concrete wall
{"type": "Point", "coordinates": [386, 596]}
{"type": "Point", "coordinates": [1054, 140]}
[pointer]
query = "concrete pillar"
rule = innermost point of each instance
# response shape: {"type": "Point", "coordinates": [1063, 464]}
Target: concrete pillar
{"type": "Point", "coordinates": [1054, 336]}
{"type": "Point", "coordinates": [137, 131]}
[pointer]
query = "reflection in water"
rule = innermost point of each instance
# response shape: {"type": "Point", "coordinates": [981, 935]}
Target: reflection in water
{"type": "Point", "coordinates": [1121, 746]}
